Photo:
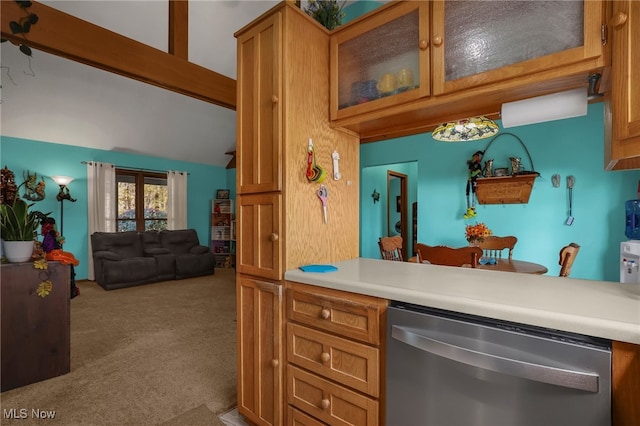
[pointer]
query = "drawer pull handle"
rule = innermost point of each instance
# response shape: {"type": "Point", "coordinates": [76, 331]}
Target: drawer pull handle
{"type": "Point", "coordinates": [275, 363]}
{"type": "Point", "coordinates": [274, 99]}
{"type": "Point", "coordinates": [273, 237]}
{"type": "Point", "coordinates": [325, 313]}
{"type": "Point", "coordinates": [325, 357]}
{"type": "Point", "coordinates": [325, 404]}
{"type": "Point", "coordinates": [437, 41]}
{"type": "Point", "coordinates": [423, 44]}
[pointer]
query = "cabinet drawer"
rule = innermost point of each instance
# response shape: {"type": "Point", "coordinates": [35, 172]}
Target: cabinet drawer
{"type": "Point", "coordinates": [331, 403]}
{"type": "Point", "coordinates": [298, 418]}
{"type": "Point", "coordinates": [350, 315]}
{"type": "Point", "coordinates": [350, 363]}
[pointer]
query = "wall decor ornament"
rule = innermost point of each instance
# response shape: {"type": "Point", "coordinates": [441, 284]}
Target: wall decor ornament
{"type": "Point", "coordinates": [376, 196]}
{"type": "Point", "coordinates": [33, 190]}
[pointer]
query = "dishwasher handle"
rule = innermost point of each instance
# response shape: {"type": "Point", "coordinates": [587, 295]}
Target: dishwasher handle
{"type": "Point", "coordinates": [514, 367]}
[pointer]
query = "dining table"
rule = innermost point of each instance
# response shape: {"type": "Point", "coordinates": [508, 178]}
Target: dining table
{"type": "Point", "coordinates": [513, 265]}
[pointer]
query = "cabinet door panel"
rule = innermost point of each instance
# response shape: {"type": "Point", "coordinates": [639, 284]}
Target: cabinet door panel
{"type": "Point", "coordinates": [490, 41]}
{"type": "Point", "coordinates": [381, 61]}
{"type": "Point", "coordinates": [259, 248]}
{"type": "Point", "coordinates": [259, 107]}
{"type": "Point", "coordinates": [625, 85]}
{"type": "Point", "coordinates": [259, 350]}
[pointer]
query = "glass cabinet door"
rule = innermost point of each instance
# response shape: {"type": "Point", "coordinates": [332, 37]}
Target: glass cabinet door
{"type": "Point", "coordinates": [380, 61]}
{"type": "Point", "coordinates": [488, 41]}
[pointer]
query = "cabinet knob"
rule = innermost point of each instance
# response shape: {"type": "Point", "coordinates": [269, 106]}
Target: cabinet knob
{"type": "Point", "coordinates": [619, 19]}
{"type": "Point", "coordinates": [423, 44]}
{"type": "Point", "coordinates": [325, 403]}
{"type": "Point", "coordinates": [275, 363]}
{"type": "Point", "coordinates": [325, 357]}
{"type": "Point", "coordinates": [273, 237]}
{"type": "Point", "coordinates": [274, 99]}
{"type": "Point", "coordinates": [326, 313]}
{"type": "Point", "coordinates": [437, 40]}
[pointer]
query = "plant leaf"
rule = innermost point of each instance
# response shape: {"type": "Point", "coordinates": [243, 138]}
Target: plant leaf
{"type": "Point", "coordinates": [26, 27]}
{"type": "Point", "coordinates": [32, 18]}
{"type": "Point", "coordinates": [24, 3]}
{"type": "Point", "coordinates": [15, 27]}
{"type": "Point", "coordinates": [25, 49]}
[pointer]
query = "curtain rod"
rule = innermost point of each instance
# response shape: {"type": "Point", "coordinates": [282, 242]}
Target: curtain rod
{"type": "Point", "coordinates": [140, 170]}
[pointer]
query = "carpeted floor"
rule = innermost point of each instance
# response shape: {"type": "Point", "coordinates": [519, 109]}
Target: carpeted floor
{"type": "Point", "coordinates": [157, 354]}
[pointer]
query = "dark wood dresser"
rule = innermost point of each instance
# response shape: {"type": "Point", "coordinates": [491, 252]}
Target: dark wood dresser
{"type": "Point", "coordinates": [36, 342]}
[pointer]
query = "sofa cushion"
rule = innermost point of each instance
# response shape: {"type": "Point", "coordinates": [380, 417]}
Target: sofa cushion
{"type": "Point", "coordinates": [179, 241]}
{"type": "Point", "coordinates": [134, 269]}
{"type": "Point", "coordinates": [150, 240]}
{"type": "Point", "coordinates": [125, 244]}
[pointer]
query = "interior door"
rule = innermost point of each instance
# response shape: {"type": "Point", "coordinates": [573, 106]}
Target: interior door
{"type": "Point", "coordinates": [397, 209]}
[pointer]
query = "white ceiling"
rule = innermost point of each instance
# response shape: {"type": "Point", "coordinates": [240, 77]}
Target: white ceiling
{"type": "Point", "coordinates": [69, 103]}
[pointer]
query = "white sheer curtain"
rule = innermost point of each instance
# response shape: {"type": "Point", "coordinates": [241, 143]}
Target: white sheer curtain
{"type": "Point", "coordinates": [177, 200]}
{"type": "Point", "coordinates": [101, 200]}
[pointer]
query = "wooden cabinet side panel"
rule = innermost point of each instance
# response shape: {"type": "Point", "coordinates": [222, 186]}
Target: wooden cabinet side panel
{"type": "Point", "coordinates": [36, 342]}
{"type": "Point", "coordinates": [625, 384]}
{"type": "Point", "coordinates": [308, 238]}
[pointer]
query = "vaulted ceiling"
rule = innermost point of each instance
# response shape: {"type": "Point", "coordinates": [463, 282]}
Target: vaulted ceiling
{"type": "Point", "coordinates": [53, 99]}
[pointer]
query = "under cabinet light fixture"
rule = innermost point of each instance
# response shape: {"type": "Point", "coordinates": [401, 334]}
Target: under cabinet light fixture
{"type": "Point", "coordinates": [556, 106]}
{"type": "Point", "coordinates": [468, 129]}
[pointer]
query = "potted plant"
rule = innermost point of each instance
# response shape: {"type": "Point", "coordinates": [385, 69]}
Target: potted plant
{"type": "Point", "coordinates": [19, 228]}
{"type": "Point", "coordinates": [327, 12]}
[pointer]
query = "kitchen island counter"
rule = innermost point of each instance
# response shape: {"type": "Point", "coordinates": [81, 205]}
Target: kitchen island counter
{"type": "Point", "coordinates": [596, 308]}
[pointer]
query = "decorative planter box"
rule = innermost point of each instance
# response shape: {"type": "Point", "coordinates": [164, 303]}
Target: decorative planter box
{"type": "Point", "coordinates": [505, 189]}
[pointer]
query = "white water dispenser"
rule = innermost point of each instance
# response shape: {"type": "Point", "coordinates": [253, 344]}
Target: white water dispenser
{"type": "Point", "coordinates": [630, 261]}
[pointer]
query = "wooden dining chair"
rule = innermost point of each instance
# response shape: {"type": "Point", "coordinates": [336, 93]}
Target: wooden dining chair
{"type": "Point", "coordinates": [391, 248]}
{"type": "Point", "coordinates": [567, 256]}
{"type": "Point", "coordinates": [449, 256]}
{"type": "Point", "coordinates": [493, 246]}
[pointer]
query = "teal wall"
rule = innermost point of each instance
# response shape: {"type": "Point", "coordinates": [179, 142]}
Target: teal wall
{"type": "Point", "coordinates": [566, 147]}
{"type": "Point", "coordinates": [374, 214]}
{"type": "Point", "coordinates": [47, 159]}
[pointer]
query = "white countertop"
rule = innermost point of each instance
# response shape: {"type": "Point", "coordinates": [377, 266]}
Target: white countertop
{"type": "Point", "coordinates": [595, 308]}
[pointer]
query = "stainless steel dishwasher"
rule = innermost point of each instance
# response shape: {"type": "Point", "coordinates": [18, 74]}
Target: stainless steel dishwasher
{"type": "Point", "coordinates": [449, 369]}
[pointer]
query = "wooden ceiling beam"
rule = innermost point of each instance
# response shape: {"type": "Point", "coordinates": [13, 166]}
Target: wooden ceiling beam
{"type": "Point", "coordinates": [64, 35]}
{"type": "Point", "coordinates": [179, 28]}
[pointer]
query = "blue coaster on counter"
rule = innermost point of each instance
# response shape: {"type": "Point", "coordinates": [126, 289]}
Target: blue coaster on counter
{"type": "Point", "coordinates": [319, 268]}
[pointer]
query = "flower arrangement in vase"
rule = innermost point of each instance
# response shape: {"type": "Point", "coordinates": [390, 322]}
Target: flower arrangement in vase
{"type": "Point", "coordinates": [475, 234]}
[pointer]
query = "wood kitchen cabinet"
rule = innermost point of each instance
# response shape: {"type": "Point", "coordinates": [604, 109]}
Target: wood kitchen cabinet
{"type": "Point", "coordinates": [334, 355]}
{"type": "Point", "coordinates": [259, 114]}
{"type": "Point", "coordinates": [622, 149]}
{"type": "Point", "coordinates": [470, 60]}
{"type": "Point", "coordinates": [283, 101]}
{"type": "Point", "coordinates": [392, 43]}
{"type": "Point", "coordinates": [260, 353]}
{"type": "Point", "coordinates": [259, 250]}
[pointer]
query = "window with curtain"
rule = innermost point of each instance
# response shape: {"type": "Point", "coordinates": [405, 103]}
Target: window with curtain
{"type": "Point", "coordinates": [142, 200]}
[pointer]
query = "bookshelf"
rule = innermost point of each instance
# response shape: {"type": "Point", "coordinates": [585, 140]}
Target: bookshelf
{"type": "Point", "coordinates": [222, 230]}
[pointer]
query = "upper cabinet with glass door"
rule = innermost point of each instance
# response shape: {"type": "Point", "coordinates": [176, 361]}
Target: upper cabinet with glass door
{"type": "Point", "coordinates": [466, 57]}
{"type": "Point", "coordinates": [490, 41]}
{"type": "Point", "coordinates": [381, 60]}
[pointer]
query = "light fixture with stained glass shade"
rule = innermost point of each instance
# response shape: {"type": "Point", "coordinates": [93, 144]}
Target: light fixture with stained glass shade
{"type": "Point", "coordinates": [468, 129]}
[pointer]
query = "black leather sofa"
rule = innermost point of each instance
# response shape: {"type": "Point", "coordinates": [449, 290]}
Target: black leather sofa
{"type": "Point", "coordinates": [125, 259]}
